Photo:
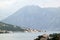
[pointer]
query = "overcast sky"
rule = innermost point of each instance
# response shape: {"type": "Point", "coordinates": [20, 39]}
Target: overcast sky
{"type": "Point", "coordinates": [8, 7]}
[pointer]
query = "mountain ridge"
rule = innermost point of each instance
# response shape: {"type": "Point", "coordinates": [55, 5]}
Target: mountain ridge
{"type": "Point", "coordinates": [36, 17]}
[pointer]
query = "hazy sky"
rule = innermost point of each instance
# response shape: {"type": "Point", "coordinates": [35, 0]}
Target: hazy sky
{"type": "Point", "coordinates": [8, 7]}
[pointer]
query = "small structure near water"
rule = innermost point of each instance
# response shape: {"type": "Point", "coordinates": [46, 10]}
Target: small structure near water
{"type": "Point", "coordinates": [33, 30]}
{"type": "Point", "coordinates": [3, 31]}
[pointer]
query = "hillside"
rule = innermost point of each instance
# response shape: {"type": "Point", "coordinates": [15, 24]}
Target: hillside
{"type": "Point", "coordinates": [36, 17]}
{"type": "Point", "coordinates": [9, 27]}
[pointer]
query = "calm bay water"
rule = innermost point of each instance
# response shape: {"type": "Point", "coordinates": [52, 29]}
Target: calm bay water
{"type": "Point", "coordinates": [22, 36]}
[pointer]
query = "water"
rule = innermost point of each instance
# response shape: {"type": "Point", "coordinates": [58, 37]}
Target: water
{"type": "Point", "coordinates": [22, 36]}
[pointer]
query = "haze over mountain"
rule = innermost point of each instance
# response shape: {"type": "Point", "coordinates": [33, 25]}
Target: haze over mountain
{"type": "Point", "coordinates": [36, 17]}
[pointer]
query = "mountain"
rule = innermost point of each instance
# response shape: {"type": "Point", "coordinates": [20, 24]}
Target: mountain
{"type": "Point", "coordinates": [36, 18]}
{"type": "Point", "coordinates": [9, 27]}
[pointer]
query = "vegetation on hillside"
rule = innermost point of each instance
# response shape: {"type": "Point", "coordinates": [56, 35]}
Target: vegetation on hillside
{"type": "Point", "coordinates": [56, 36]}
{"type": "Point", "coordinates": [9, 27]}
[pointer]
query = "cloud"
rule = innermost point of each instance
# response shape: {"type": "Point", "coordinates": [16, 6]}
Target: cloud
{"type": "Point", "coordinates": [6, 3]}
{"type": "Point", "coordinates": [45, 3]}
{"type": "Point", "coordinates": [18, 3]}
{"type": "Point", "coordinates": [41, 3]}
{"type": "Point", "coordinates": [50, 3]}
